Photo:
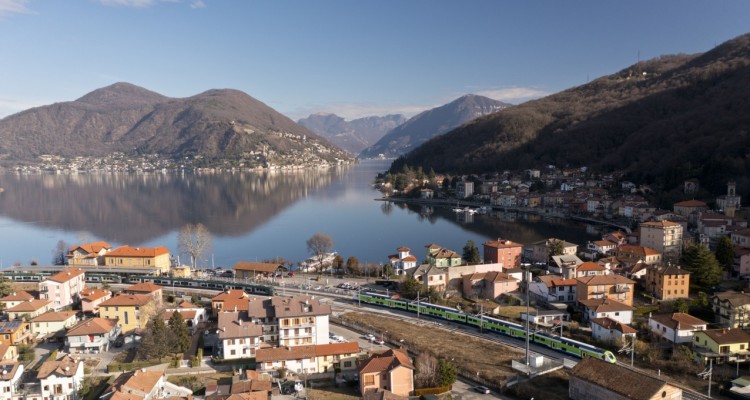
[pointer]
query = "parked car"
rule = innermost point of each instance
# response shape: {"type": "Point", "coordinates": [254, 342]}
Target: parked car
{"type": "Point", "coordinates": [370, 337]}
{"type": "Point", "coordinates": [482, 389]}
{"type": "Point", "coordinates": [378, 341]}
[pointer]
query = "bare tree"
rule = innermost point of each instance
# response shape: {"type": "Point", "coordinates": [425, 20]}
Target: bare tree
{"type": "Point", "coordinates": [426, 366]}
{"type": "Point", "coordinates": [319, 245]}
{"type": "Point", "coordinates": [59, 254]}
{"type": "Point", "coordinates": [194, 241]}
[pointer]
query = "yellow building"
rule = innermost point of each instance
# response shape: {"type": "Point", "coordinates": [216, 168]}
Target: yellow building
{"type": "Point", "coordinates": [132, 311]}
{"type": "Point", "coordinates": [153, 259]}
{"type": "Point", "coordinates": [14, 332]}
{"type": "Point", "coordinates": [667, 282]}
{"type": "Point", "coordinates": [721, 345]}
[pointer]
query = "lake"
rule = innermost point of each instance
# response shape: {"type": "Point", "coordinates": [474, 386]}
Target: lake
{"type": "Point", "coordinates": [253, 216]}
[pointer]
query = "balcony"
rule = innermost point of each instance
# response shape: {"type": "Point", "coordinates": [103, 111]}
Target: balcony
{"type": "Point", "coordinates": [621, 289]}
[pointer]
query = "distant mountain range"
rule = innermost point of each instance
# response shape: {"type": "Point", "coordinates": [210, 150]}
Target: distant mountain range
{"type": "Point", "coordinates": [661, 121]}
{"type": "Point", "coordinates": [217, 124]}
{"type": "Point", "coordinates": [431, 123]}
{"type": "Point", "coordinates": [352, 136]}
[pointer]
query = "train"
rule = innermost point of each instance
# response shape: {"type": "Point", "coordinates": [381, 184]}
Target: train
{"type": "Point", "coordinates": [555, 342]}
{"type": "Point", "coordinates": [166, 281]}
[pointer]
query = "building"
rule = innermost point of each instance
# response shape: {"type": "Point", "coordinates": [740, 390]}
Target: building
{"type": "Point", "coordinates": [402, 260]}
{"type": "Point", "coordinates": [662, 236]}
{"type": "Point", "coordinates": [503, 252]}
{"type": "Point", "coordinates": [667, 282]}
{"type": "Point", "coordinates": [146, 288]}
{"type": "Point", "coordinates": [675, 327]}
{"type": "Point", "coordinates": [309, 359]}
{"type": "Point", "coordinates": [131, 311]}
{"type": "Point", "coordinates": [63, 288]}
{"type": "Point", "coordinates": [230, 300]}
{"type": "Point", "coordinates": [29, 309]}
{"type": "Point", "coordinates": [589, 268]}
{"type": "Point", "coordinates": [431, 276]}
{"type": "Point", "coordinates": [15, 332]}
{"type": "Point", "coordinates": [192, 314]}
{"type": "Point", "coordinates": [464, 189]}
{"type": "Point", "coordinates": [252, 271]}
{"type": "Point", "coordinates": [606, 308]}
{"type": "Point", "coordinates": [8, 352]}
{"type": "Point", "coordinates": [593, 379]}
{"type": "Point", "coordinates": [539, 252]}
{"type": "Point", "coordinates": [15, 299]}
{"type": "Point", "coordinates": [441, 257]}
{"type": "Point", "coordinates": [91, 336]}
{"type": "Point", "coordinates": [611, 286]}
{"type": "Point", "coordinates": [608, 330]}
{"type": "Point", "coordinates": [91, 298]}
{"type": "Point", "coordinates": [88, 255]}
{"type": "Point", "coordinates": [239, 337]}
{"type": "Point", "coordinates": [729, 202]}
{"type": "Point", "coordinates": [295, 321]}
{"type": "Point", "coordinates": [144, 385]}
{"type": "Point", "coordinates": [631, 255]}
{"type": "Point", "coordinates": [49, 324]}
{"type": "Point", "coordinates": [553, 289]}
{"type": "Point", "coordinates": [11, 373]}
{"type": "Point", "coordinates": [688, 207]}
{"type": "Point", "coordinates": [732, 309]}
{"type": "Point", "coordinates": [721, 345]}
{"type": "Point", "coordinates": [391, 370]}
{"type": "Point", "coordinates": [488, 285]}
{"type": "Point", "coordinates": [61, 379]}
{"type": "Point", "coordinates": [152, 260]}
{"type": "Point", "coordinates": [598, 248]}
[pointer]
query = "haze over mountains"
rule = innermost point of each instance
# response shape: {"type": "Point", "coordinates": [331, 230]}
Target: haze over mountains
{"type": "Point", "coordinates": [216, 124]}
{"type": "Point", "coordinates": [431, 123]}
{"type": "Point", "coordinates": [662, 121]}
{"type": "Point", "coordinates": [352, 136]}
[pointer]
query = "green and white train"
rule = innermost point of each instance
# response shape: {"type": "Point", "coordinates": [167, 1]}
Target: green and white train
{"type": "Point", "coordinates": [560, 343]}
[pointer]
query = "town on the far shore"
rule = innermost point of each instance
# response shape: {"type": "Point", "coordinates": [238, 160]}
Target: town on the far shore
{"type": "Point", "coordinates": [660, 290]}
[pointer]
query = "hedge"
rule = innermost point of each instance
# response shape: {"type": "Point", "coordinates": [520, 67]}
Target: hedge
{"type": "Point", "coordinates": [123, 367]}
{"type": "Point", "coordinates": [433, 390]}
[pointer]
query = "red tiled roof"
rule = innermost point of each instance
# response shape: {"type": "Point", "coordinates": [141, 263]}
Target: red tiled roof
{"type": "Point", "coordinates": [385, 361]}
{"type": "Point", "coordinates": [257, 266]}
{"type": "Point", "coordinates": [609, 323]}
{"type": "Point", "coordinates": [144, 287]}
{"type": "Point", "coordinates": [29, 306]}
{"type": "Point", "coordinates": [66, 275]}
{"type": "Point", "coordinates": [691, 203]}
{"type": "Point", "coordinates": [54, 316]}
{"type": "Point", "coordinates": [591, 266]}
{"type": "Point", "coordinates": [92, 247]}
{"type": "Point", "coordinates": [93, 326]}
{"type": "Point", "coordinates": [127, 300]}
{"type": "Point", "coordinates": [605, 305]}
{"type": "Point", "coordinates": [127, 251]}
{"type": "Point", "coordinates": [17, 296]}
{"type": "Point", "coordinates": [94, 294]}
{"type": "Point", "coordinates": [679, 321]}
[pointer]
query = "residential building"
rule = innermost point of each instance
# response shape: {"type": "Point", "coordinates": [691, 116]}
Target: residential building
{"type": "Point", "coordinates": [192, 314]}
{"type": "Point", "coordinates": [295, 321]}
{"type": "Point", "coordinates": [688, 207]}
{"type": "Point", "coordinates": [152, 260]}
{"type": "Point", "coordinates": [91, 298]}
{"type": "Point", "coordinates": [431, 276]}
{"type": "Point", "coordinates": [503, 251]}
{"type": "Point", "coordinates": [464, 189]}
{"type": "Point", "coordinates": [553, 289]}
{"type": "Point", "coordinates": [88, 255]}
{"type": "Point", "coordinates": [391, 370]}
{"type": "Point", "coordinates": [15, 332]}
{"type": "Point", "coordinates": [62, 378]}
{"type": "Point", "coordinates": [49, 324]}
{"type": "Point", "coordinates": [91, 336]}
{"type": "Point", "coordinates": [608, 330]}
{"type": "Point", "coordinates": [721, 345]}
{"type": "Point", "coordinates": [63, 288]}
{"type": "Point", "coordinates": [662, 236]}
{"type": "Point", "coordinates": [146, 288]}
{"type": "Point", "coordinates": [732, 309]}
{"type": "Point", "coordinates": [675, 327]}
{"type": "Point", "coordinates": [667, 282]}
{"type": "Point", "coordinates": [564, 265]}
{"type": "Point", "coordinates": [8, 352]}
{"type": "Point", "coordinates": [590, 269]}
{"type": "Point", "coordinates": [144, 385]}
{"type": "Point", "coordinates": [426, 193]}
{"type": "Point", "coordinates": [230, 300]}
{"type": "Point", "coordinates": [28, 309]}
{"type": "Point", "coordinates": [253, 271]}
{"type": "Point", "coordinates": [630, 255]}
{"type": "Point", "coordinates": [441, 257]}
{"type": "Point", "coordinates": [539, 252]}
{"type": "Point", "coordinates": [402, 260]}
{"type": "Point", "coordinates": [132, 311]}
{"type": "Point", "coordinates": [606, 308]}
{"type": "Point", "coordinates": [741, 262]}
{"type": "Point", "coordinates": [593, 379]}
{"type": "Point", "coordinates": [239, 337]}
{"type": "Point", "coordinates": [11, 373]}
{"type": "Point", "coordinates": [611, 286]}
{"type": "Point", "coordinates": [308, 359]}
{"type": "Point", "coordinates": [598, 248]}
{"type": "Point", "coordinates": [15, 299]}
{"type": "Point", "coordinates": [488, 285]}
{"type": "Point", "coordinates": [741, 238]}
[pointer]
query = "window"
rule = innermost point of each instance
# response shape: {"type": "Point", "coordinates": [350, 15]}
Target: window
{"type": "Point", "coordinates": [232, 352]}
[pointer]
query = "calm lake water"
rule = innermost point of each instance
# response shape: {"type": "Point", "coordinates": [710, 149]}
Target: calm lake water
{"type": "Point", "coordinates": [252, 216]}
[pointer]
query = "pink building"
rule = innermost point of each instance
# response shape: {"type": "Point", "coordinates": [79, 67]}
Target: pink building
{"type": "Point", "coordinates": [63, 288]}
{"type": "Point", "coordinates": [91, 298]}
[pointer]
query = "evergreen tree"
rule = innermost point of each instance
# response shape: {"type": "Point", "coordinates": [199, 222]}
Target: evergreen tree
{"type": "Point", "coordinates": [409, 287]}
{"type": "Point", "coordinates": [680, 306]}
{"type": "Point", "coordinates": [556, 247]}
{"type": "Point", "coordinates": [471, 253]}
{"type": "Point", "coordinates": [5, 288]}
{"type": "Point", "coordinates": [446, 373]}
{"type": "Point", "coordinates": [155, 343]}
{"type": "Point", "coordinates": [705, 272]}
{"type": "Point", "coordinates": [725, 253]}
{"type": "Point", "coordinates": [179, 333]}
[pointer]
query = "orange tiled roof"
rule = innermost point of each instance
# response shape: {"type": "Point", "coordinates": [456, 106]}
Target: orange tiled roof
{"type": "Point", "coordinates": [93, 326]}
{"type": "Point", "coordinates": [92, 247]}
{"type": "Point", "coordinates": [230, 294]}
{"type": "Point", "coordinates": [609, 323]}
{"type": "Point", "coordinates": [127, 251]}
{"type": "Point", "coordinates": [17, 296]}
{"type": "Point", "coordinates": [679, 321]}
{"type": "Point", "coordinates": [144, 287]}
{"type": "Point", "coordinates": [66, 275]}
{"type": "Point", "coordinates": [591, 266]}
{"type": "Point", "coordinates": [691, 203]}
{"type": "Point", "coordinates": [54, 316]}
{"type": "Point", "coordinates": [127, 300]}
{"type": "Point", "coordinates": [502, 244]}
{"type": "Point", "coordinates": [66, 366]}
{"type": "Point", "coordinates": [605, 305]}
{"type": "Point", "coordinates": [29, 306]}
{"type": "Point", "coordinates": [139, 380]}
{"type": "Point", "coordinates": [256, 266]}
{"type": "Point", "coordinates": [611, 279]}
{"type": "Point", "coordinates": [94, 294]}
{"type": "Point", "coordinates": [385, 361]}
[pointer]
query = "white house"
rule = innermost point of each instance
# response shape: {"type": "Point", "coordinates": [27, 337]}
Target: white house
{"type": "Point", "coordinates": [61, 379]}
{"type": "Point", "coordinates": [145, 385]}
{"type": "Point", "coordinates": [609, 330]}
{"type": "Point", "coordinates": [402, 260]}
{"type": "Point", "coordinates": [52, 322]}
{"type": "Point", "coordinates": [675, 327]}
{"type": "Point", "coordinates": [239, 337]}
{"type": "Point", "coordinates": [30, 308]}
{"type": "Point", "coordinates": [565, 265]}
{"type": "Point", "coordinates": [296, 321]}
{"type": "Point", "coordinates": [192, 314]}
{"type": "Point", "coordinates": [15, 299]}
{"type": "Point", "coordinates": [10, 378]}
{"type": "Point", "coordinates": [91, 336]}
{"type": "Point", "coordinates": [607, 308]}
{"type": "Point", "coordinates": [63, 288]}
{"type": "Point", "coordinates": [308, 359]}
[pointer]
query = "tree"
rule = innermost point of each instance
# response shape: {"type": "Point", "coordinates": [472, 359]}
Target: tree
{"type": "Point", "coordinates": [5, 288]}
{"type": "Point", "coordinates": [387, 270]}
{"type": "Point", "coordinates": [725, 253]}
{"type": "Point", "coordinates": [426, 370]}
{"type": "Point", "coordinates": [446, 373]}
{"type": "Point", "coordinates": [319, 245]}
{"type": "Point", "coordinates": [680, 306]}
{"type": "Point", "coordinates": [194, 240]}
{"type": "Point", "coordinates": [471, 253]}
{"type": "Point", "coordinates": [352, 265]}
{"type": "Point", "coordinates": [556, 247]}
{"type": "Point", "coordinates": [338, 263]}
{"type": "Point", "coordinates": [59, 254]}
{"type": "Point", "coordinates": [409, 287]}
{"type": "Point", "coordinates": [705, 272]}
{"type": "Point", "coordinates": [156, 342]}
{"type": "Point", "coordinates": [179, 332]}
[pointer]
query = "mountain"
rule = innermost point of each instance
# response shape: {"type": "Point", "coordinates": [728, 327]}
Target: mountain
{"type": "Point", "coordinates": [352, 136]}
{"type": "Point", "coordinates": [221, 124]}
{"type": "Point", "coordinates": [661, 121]}
{"type": "Point", "coordinates": [431, 123]}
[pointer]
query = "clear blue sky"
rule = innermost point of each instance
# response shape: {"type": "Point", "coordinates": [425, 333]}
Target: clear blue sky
{"type": "Point", "coordinates": [353, 58]}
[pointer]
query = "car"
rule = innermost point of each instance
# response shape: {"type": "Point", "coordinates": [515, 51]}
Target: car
{"type": "Point", "coordinates": [370, 337]}
{"type": "Point", "coordinates": [378, 341]}
{"type": "Point", "coordinates": [482, 389]}
{"type": "Point", "coordinates": [290, 274]}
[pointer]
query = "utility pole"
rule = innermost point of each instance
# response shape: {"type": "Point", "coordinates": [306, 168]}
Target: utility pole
{"type": "Point", "coordinates": [481, 318]}
{"type": "Point", "coordinates": [526, 278]}
{"type": "Point", "coordinates": [417, 304]}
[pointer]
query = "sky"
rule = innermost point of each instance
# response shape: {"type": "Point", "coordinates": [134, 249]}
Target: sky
{"type": "Point", "coordinates": [354, 58]}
